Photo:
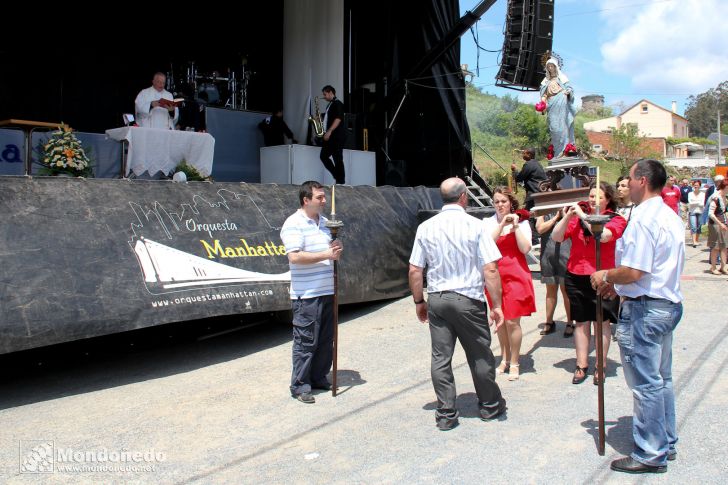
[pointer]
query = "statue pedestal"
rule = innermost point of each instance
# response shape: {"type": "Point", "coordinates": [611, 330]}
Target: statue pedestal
{"type": "Point", "coordinates": [568, 182]}
{"type": "Point", "coordinates": [564, 172]}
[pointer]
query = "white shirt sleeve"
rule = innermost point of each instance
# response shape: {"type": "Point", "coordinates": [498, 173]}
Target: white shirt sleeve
{"type": "Point", "coordinates": [636, 256]}
{"type": "Point", "coordinates": [417, 258]}
{"type": "Point", "coordinates": [487, 249]}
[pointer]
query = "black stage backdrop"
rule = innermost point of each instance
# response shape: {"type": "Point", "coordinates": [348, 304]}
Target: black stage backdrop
{"type": "Point", "coordinates": [88, 73]}
{"type": "Point", "coordinates": [430, 138]}
{"type": "Point", "coordinates": [85, 68]}
{"type": "Point", "coordinates": [83, 258]}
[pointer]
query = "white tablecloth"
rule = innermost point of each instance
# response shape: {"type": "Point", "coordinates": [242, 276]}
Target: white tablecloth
{"type": "Point", "coordinates": [156, 150]}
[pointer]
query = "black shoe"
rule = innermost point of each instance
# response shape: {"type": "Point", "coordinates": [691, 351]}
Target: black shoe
{"type": "Point", "coordinates": [305, 397]}
{"type": "Point", "coordinates": [578, 379]}
{"type": "Point", "coordinates": [324, 386]}
{"type": "Point", "coordinates": [491, 416]}
{"type": "Point", "coordinates": [548, 328]}
{"type": "Point", "coordinates": [446, 424]}
{"type": "Point", "coordinates": [630, 465]}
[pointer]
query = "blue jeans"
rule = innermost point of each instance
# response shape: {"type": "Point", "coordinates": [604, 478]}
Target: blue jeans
{"type": "Point", "coordinates": [644, 335]}
{"type": "Point", "coordinates": [695, 223]}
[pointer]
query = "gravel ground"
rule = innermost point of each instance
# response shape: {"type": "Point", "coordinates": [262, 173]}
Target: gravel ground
{"type": "Point", "coordinates": [218, 409]}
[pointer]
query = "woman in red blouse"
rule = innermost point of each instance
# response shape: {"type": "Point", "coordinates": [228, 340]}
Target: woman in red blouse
{"type": "Point", "coordinates": [582, 263]}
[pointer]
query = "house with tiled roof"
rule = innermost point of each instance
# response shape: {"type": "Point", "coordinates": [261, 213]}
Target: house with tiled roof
{"type": "Point", "coordinates": [653, 122]}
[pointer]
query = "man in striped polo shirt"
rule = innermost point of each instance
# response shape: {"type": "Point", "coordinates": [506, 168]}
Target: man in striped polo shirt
{"type": "Point", "coordinates": [310, 254]}
{"type": "Point", "coordinates": [460, 257]}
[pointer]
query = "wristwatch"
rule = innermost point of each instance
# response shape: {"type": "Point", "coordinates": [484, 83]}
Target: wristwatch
{"type": "Point", "coordinates": [604, 277]}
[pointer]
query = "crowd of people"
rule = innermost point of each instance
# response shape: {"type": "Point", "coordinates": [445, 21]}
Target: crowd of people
{"type": "Point", "coordinates": [637, 278]}
{"type": "Point", "coordinates": [478, 278]}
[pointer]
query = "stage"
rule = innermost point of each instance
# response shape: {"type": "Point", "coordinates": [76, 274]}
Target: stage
{"type": "Point", "coordinates": [90, 257]}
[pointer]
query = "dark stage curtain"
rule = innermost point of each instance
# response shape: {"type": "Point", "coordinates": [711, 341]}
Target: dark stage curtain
{"type": "Point", "coordinates": [430, 139]}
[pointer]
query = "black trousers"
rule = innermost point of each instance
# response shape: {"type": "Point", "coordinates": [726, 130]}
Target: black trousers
{"type": "Point", "coordinates": [333, 149]}
{"type": "Point", "coordinates": [456, 317]}
{"type": "Point", "coordinates": [313, 342]}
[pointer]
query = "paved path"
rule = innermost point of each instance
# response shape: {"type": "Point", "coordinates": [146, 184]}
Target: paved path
{"type": "Point", "coordinates": [219, 410]}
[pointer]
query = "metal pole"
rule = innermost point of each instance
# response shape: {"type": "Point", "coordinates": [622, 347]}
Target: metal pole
{"type": "Point", "coordinates": [719, 147]}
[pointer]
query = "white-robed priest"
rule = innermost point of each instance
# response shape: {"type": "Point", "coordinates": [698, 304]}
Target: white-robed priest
{"type": "Point", "coordinates": [149, 112]}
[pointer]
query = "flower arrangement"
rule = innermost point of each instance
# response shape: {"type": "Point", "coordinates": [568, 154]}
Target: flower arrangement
{"type": "Point", "coordinates": [63, 153]}
{"type": "Point", "coordinates": [523, 215]}
{"type": "Point", "coordinates": [570, 150]}
{"type": "Point", "coordinates": [191, 172]}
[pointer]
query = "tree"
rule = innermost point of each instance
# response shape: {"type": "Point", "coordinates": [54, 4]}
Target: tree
{"type": "Point", "coordinates": [702, 110]}
{"type": "Point", "coordinates": [626, 145]}
{"type": "Point", "coordinates": [509, 103]}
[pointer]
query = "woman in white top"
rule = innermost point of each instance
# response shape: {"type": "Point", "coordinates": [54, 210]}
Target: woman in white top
{"type": "Point", "coordinates": [696, 202]}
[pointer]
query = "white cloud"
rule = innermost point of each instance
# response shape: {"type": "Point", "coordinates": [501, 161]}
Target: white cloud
{"type": "Point", "coordinates": [675, 47]}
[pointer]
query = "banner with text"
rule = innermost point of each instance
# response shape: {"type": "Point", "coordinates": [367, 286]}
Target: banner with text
{"type": "Point", "coordinates": [84, 258]}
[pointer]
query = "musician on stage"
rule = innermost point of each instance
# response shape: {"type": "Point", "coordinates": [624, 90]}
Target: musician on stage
{"type": "Point", "coordinates": [335, 135]}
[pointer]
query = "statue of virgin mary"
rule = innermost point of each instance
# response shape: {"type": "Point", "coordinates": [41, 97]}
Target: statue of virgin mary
{"type": "Point", "coordinates": [558, 95]}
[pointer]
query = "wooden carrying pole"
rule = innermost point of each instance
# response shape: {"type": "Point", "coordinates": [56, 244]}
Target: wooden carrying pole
{"type": "Point", "coordinates": [336, 318]}
{"type": "Point", "coordinates": [334, 225]}
{"type": "Point", "coordinates": [597, 223]}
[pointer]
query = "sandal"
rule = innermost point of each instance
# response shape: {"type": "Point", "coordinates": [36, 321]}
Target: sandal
{"type": "Point", "coordinates": [502, 369]}
{"type": "Point", "coordinates": [715, 272]}
{"type": "Point", "coordinates": [596, 379]}
{"type": "Point", "coordinates": [578, 379]}
{"type": "Point", "coordinates": [548, 328]}
{"type": "Point", "coordinates": [569, 330]}
{"type": "Point", "coordinates": [514, 376]}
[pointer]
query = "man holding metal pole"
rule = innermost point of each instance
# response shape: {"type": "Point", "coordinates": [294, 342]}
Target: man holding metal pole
{"type": "Point", "coordinates": [311, 251]}
{"type": "Point", "coordinates": [650, 258]}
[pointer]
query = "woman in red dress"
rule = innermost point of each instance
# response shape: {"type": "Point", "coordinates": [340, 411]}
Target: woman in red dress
{"type": "Point", "coordinates": [513, 238]}
{"type": "Point", "coordinates": [581, 264]}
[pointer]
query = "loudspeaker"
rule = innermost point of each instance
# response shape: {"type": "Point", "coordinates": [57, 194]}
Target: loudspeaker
{"type": "Point", "coordinates": [529, 34]}
{"type": "Point", "coordinates": [396, 173]}
{"type": "Point", "coordinates": [353, 132]}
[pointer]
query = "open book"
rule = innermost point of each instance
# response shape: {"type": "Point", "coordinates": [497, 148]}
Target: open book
{"type": "Point", "coordinates": [165, 103]}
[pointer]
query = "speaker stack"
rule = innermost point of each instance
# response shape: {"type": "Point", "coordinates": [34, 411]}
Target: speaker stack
{"type": "Point", "coordinates": [396, 173]}
{"type": "Point", "coordinates": [529, 34]}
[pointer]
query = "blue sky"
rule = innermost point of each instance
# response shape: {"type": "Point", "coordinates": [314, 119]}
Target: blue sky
{"type": "Point", "coordinates": [625, 50]}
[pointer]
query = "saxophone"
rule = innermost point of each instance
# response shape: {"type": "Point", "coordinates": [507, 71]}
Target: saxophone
{"type": "Point", "coordinates": [315, 120]}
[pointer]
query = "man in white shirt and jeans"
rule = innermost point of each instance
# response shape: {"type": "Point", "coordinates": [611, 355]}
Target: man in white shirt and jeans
{"type": "Point", "coordinates": [650, 257]}
{"type": "Point", "coordinates": [460, 257]}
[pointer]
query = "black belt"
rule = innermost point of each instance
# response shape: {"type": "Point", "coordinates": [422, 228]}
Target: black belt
{"type": "Point", "coordinates": [644, 297]}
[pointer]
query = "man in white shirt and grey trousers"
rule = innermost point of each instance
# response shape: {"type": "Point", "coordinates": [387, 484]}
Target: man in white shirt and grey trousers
{"type": "Point", "coordinates": [460, 257]}
{"type": "Point", "coordinates": [650, 257]}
